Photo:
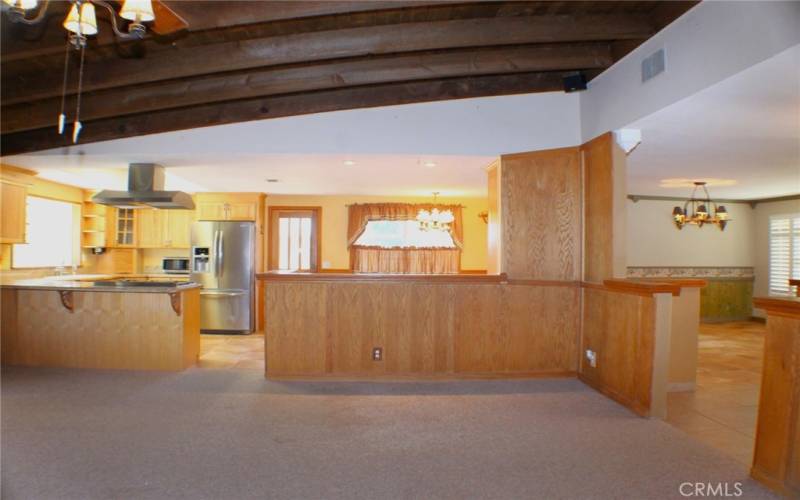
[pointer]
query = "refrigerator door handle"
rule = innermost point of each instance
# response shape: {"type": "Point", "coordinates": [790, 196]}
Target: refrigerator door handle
{"type": "Point", "coordinates": [220, 254]}
{"type": "Point", "coordinates": [215, 263]}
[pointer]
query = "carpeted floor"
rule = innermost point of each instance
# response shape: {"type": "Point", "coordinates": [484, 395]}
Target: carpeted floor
{"type": "Point", "coordinates": [227, 434]}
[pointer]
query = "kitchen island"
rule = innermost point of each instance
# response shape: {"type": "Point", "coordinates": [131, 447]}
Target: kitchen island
{"type": "Point", "coordinates": [104, 324]}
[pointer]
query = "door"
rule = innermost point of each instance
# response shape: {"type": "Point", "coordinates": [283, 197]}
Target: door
{"type": "Point", "coordinates": [294, 238]}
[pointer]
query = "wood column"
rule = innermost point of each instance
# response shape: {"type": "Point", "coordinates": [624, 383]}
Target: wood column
{"type": "Point", "coordinates": [776, 461]}
{"type": "Point", "coordinates": [604, 192]}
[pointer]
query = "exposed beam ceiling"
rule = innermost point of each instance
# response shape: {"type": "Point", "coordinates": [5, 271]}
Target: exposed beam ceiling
{"type": "Point", "coordinates": [253, 60]}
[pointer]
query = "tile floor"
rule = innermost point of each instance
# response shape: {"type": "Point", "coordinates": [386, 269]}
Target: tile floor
{"type": "Point", "coordinates": [722, 411]}
{"type": "Point", "coordinates": [242, 352]}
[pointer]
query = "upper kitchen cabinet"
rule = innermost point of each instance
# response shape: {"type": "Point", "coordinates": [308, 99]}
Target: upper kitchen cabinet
{"type": "Point", "coordinates": [229, 206]}
{"type": "Point", "coordinates": [164, 228]}
{"type": "Point", "coordinates": [123, 228]}
{"type": "Point", "coordinates": [12, 206]}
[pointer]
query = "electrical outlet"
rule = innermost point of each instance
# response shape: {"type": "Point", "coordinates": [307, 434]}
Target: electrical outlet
{"type": "Point", "coordinates": [592, 357]}
{"type": "Point", "coordinates": [377, 353]}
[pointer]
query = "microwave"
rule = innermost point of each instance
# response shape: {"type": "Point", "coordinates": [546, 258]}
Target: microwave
{"type": "Point", "coordinates": [175, 265]}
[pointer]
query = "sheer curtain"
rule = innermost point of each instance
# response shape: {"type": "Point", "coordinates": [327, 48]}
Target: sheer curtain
{"type": "Point", "coordinates": [406, 259]}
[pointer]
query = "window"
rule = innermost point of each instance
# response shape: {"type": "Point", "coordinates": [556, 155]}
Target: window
{"type": "Point", "coordinates": [784, 252]}
{"type": "Point", "coordinates": [51, 235]}
{"type": "Point", "coordinates": [402, 234]}
{"type": "Point", "coordinates": [294, 237]}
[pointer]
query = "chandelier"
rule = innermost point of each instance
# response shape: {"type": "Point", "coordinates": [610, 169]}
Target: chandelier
{"type": "Point", "coordinates": [81, 21]}
{"type": "Point", "coordinates": [435, 219]}
{"type": "Point", "coordinates": [696, 211]}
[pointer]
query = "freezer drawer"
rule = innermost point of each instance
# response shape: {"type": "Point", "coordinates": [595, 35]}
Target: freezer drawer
{"type": "Point", "coordinates": [224, 310]}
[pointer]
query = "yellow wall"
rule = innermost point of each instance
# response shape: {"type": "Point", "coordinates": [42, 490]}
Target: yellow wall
{"type": "Point", "coordinates": [334, 224]}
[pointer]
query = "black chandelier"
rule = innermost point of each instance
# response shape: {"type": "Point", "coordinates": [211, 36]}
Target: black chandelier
{"type": "Point", "coordinates": [696, 211]}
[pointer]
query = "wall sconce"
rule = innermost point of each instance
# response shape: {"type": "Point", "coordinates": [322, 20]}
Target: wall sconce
{"type": "Point", "coordinates": [484, 216]}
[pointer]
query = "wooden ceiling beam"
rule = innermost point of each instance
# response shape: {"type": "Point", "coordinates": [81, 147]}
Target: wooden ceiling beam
{"type": "Point", "coordinates": [45, 82]}
{"type": "Point", "coordinates": [287, 105]}
{"type": "Point", "coordinates": [339, 74]}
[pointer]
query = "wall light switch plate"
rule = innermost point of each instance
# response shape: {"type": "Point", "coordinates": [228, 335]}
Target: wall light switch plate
{"type": "Point", "coordinates": [592, 357]}
{"type": "Point", "coordinates": [377, 353]}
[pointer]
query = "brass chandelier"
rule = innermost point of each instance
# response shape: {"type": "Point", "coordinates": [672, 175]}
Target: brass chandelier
{"type": "Point", "coordinates": [435, 220]}
{"type": "Point", "coordinates": [696, 211]}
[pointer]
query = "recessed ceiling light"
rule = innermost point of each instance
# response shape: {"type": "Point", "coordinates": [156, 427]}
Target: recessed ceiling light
{"type": "Point", "coordinates": [272, 180]}
{"type": "Point", "coordinates": [430, 164]}
{"type": "Point", "coordinates": [349, 163]}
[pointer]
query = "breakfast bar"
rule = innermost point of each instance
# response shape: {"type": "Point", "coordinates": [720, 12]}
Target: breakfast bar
{"type": "Point", "coordinates": [104, 324]}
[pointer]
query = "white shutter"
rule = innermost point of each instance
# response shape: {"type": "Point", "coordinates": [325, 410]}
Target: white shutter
{"type": "Point", "coordinates": [784, 253]}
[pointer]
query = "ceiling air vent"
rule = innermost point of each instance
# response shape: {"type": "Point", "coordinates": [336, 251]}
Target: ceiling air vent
{"type": "Point", "coordinates": [653, 65]}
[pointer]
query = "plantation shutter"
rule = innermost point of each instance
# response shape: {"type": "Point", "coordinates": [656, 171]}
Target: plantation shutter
{"type": "Point", "coordinates": [784, 253]}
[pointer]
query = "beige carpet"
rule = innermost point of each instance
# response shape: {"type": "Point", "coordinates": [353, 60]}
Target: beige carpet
{"type": "Point", "coordinates": [232, 435]}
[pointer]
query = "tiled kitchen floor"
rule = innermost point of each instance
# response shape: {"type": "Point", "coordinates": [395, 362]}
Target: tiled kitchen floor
{"type": "Point", "coordinates": [723, 409]}
{"type": "Point", "coordinates": [243, 352]}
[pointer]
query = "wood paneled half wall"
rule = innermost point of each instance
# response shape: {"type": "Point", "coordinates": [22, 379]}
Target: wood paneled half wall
{"type": "Point", "coordinates": [437, 326]}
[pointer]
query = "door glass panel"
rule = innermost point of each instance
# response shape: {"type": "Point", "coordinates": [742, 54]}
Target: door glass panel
{"type": "Point", "coordinates": [295, 243]}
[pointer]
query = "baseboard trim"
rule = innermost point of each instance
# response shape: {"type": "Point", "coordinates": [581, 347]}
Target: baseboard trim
{"type": "Point", "coordinates": [681, 386]}
{"type": "Point", "coordinates": [418, 377]}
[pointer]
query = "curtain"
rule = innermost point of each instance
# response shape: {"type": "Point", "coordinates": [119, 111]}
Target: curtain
{"type": "Point", "coordinates": [402, 260]}
{"type": "Point", "coordinates": [405, 260]}
{"type": "Point", "coordinates": [361, 213]}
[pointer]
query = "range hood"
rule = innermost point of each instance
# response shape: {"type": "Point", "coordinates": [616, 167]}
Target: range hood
{"type": "Point", "coordinates": [145, 189]}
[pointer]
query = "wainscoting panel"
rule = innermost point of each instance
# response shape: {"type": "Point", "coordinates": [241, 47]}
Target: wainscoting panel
{"type": "Point", "coordinates": [472, 329]}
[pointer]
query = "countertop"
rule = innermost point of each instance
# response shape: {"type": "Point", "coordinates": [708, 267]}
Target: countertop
{"type": "Point", "coordinates": [86, 283]}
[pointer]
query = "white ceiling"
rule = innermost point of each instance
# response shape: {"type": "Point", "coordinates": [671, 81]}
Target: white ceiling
{"type": "Point", "coordinates": [742, 133]}
{"type": "Point", "coordinates": [379, 175]}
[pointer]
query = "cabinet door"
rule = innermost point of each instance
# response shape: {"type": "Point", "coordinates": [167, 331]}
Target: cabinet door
{"type": "Point", "coordinates": [241, 211]}
{"type": "Point", "coordinates": [125, 228]}
{"type": "Point", "coordinates": [150, 229]}
{"type": "Point", "coordinates": [211, 210]}
{"type": "Point", "coordinates": [12, 207]}
{"type": "Point", "coordinates": [179, 228]}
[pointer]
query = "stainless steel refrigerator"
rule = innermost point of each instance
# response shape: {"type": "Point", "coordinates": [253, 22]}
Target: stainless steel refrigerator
{"type": "Point", "coordinates": [223, 261]}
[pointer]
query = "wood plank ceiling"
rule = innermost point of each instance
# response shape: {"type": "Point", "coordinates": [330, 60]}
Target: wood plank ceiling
{"type": "Point", "coordinates": [251, 60]}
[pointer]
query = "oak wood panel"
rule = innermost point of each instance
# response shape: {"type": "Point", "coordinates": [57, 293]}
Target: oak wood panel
{"type": "Point", "coordinates": [329, 328]}
{"type": "Point", "coordinates": [540, 203]}
{"type": "Point", "coordinates": [351, 277]}
{"type": "Point", "coordinates": [275, 81]}
{"type": "Point", "coordinates": [107, 330]}
{"type": "Point", "coordinates": [13, 203]}
{"type": "Point", "coordinates": [598, 203]}
{"type": "Point", "coordinates": [620, 328]}
{"type": "Point", "coordinates": [20, 85]}
{"type": "Point", "coordinates": [776, 461]}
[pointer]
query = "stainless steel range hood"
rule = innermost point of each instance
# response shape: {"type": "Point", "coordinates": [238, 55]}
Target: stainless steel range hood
{"type": "Point", "coordinates": [145, 188]}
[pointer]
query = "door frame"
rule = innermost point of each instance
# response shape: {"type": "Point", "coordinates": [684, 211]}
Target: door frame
{"type": "Point", "coordinates": [272, 217]}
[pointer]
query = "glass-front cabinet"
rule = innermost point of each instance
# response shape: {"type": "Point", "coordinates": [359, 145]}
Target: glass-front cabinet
{"type": "Point", "coordinates": [125, 229]}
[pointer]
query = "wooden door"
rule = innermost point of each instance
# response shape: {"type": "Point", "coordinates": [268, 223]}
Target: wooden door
{"type": "Point", "coordinates": [151, 228]}
{"type": "Point", "coordinates": [178, 228]}
{"type": "Point", "coordinates": [12, 206]}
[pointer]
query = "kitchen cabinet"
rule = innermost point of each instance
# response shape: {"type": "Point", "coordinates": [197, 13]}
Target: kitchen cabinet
{"type": "Point", "coordinates": [228, 206]}
{"type": "Point", "coordinates": [164, 228]}
{"type": "Point", "coordinates": [94, 232]}
{"type": "Point", "coordinates": [123, 227]}
{"type": "Point", "coordinates": [13, 205]}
